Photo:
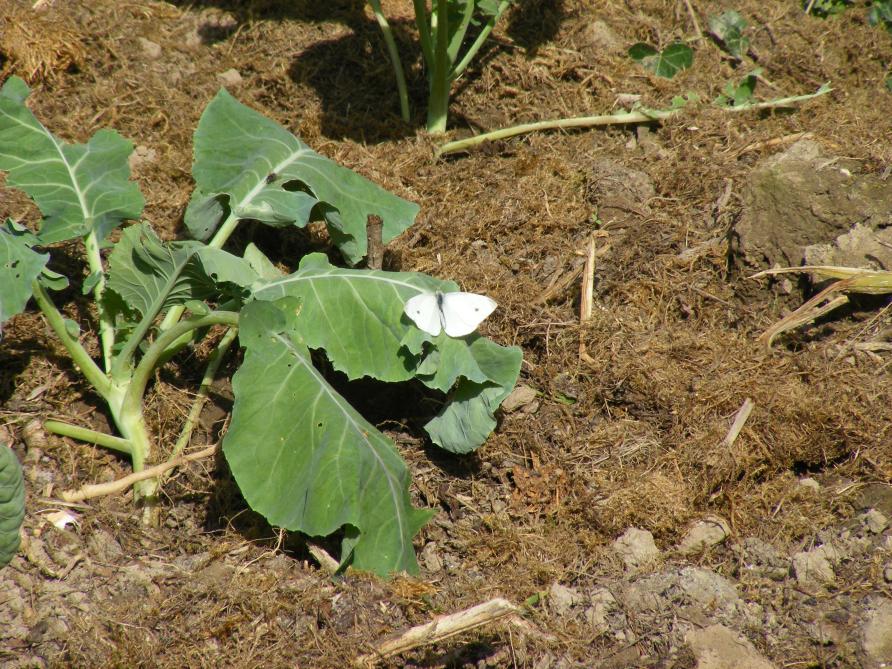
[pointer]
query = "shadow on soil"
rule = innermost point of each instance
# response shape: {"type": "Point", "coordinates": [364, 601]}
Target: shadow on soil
{"type": "Point", "coordinates": [352, 74]}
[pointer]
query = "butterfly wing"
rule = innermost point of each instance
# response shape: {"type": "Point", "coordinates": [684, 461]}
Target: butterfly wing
{"type": "Point", "coordinates": [424, 312]}
{"type": "Point", "coordinates": [463, 312]}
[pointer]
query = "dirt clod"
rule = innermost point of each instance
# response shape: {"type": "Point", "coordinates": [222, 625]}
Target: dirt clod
{"type": "Point", "coordinates": [636, 548]}
{"type": "Point", "coordinates": [704, 534]}
{"type": "Point", "coordinates": [877, 634]}
{"type": "Point", "coordinates": [796, 203]}
{"type": "Point", "coordinates": [815, 567]}
{"type": "Point", "coordinates": [717, 647]}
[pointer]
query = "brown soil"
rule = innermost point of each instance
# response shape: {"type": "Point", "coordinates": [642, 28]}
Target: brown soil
{"type": "Point", "coordinates": [633, 435]}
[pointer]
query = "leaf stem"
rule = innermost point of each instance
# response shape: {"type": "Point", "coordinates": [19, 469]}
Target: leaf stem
{"type": "Point", "coordinates": [395, 61]}
{"type": "Point", "coordinates": [220, 237]}
{"type": "Point", "coordinates": [460, 32]}
{"type": "Point", "coordinates": [438, 101]}
{"type": "Point", "coordinates": [210, 373]}
{"type": "Point", "coordinates": [578, 122]}
{"type": "Point", "coordinates": [780, 102]}
{"type": "Point", "coordinates": [481, 38]}
{"type": "Point", "coordinates": [79, 355]}
{"type": "Point", "coordinates": [106, 326]}
{"type": "Point", "coordinates": [131, 405]}
{"type": "Point", "coordinates": [424, 31]}
{"type": "Point", "coordinates": [91, 436]}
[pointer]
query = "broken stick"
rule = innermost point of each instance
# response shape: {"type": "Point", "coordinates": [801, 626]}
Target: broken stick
{"type": "Point", "coordinates": [440, 628]}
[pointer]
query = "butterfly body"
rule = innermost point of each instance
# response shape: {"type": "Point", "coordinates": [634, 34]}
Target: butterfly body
{"type": "Point", "coordinates": [457, 313]}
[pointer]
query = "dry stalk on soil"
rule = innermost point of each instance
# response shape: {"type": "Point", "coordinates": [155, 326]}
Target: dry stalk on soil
{"type": "Point", "coordinates": [850, 280]}
{"type": "Point", "coordinates": [440, 628]}
{"type": "Point", "coordinates": [110, 488]}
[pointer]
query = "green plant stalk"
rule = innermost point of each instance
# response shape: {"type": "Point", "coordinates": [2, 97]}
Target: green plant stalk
{"type": "Point", "coordinates": [579, 122]}
{"type": "Point", "coordinates": [128, 414]}
{"type": "Point", "coordinates": [424, 32]}
{"type": "Point", "coordinates": [90, 436]}
{"type": "Point", "coordinates": [395, 61]}
{"type": "Point", "coordinates": [481, 38]}
{"type": "Point", "coordinates": [209, 375]}
{"type": "Point", "coordinates": [777, 102]}
{"type": "Point", "coordinates": [438, 75]}
{"type": "Point", "coordinates": [223, 233]}
{"type": "Point", "coordinates": [459, 36]}
{"type": "Point", "coordinates": [78, 354]}
{"type": "Point", "coordinates": [106, 326]}
{"type": "Point", "coordinates": [132, 402]}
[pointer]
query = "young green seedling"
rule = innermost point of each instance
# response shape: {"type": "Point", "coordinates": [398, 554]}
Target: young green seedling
{"type": "Point", "coordinates": [442, 32]}
{"type": "Point", "coordinates": [728, 30]}
{"type": "Point", "coordinates": [667, 63]}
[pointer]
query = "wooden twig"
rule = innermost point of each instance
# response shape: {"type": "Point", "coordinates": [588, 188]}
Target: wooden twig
{"type": "Point", "coordinates": [693, 16]}
{"type": "Point", "coordinates": [100, 489]}
{"type": "Point", "coordinates": [809, 311]}
{"type": "Point", "coordinates": [375, 254]}
{"type": "Point", "coordinates": [588, 283]}
{"type": "Point", "coordinates": [322, 556]}
{"type": "Point", "coordinates": [586, 298]}
{"type": "Point", "coordinates": [440, 628]}
{"type": "Point", "coordinates": [740, 418]}
{"type": "Point", "coordinates": [776, 141]}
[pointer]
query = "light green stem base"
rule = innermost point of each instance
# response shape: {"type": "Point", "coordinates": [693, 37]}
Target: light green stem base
{"type": "Point", "coordinates": [90, 436]}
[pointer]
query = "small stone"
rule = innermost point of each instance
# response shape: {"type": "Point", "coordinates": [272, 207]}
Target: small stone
{"type": "Point", "coordinates": [876, 522]}
{"type": "Point", "coordinates": [809, 484]}
{"type": "Point", "coordinates": [430, 557]}
{"type": "Point", "coordinates": [627, 99]}
{"type": "Point", "coordinates": [887, 572]}
{"type": "Point", "coordinates": [598, 37]}
{"type": "Point", "coordinates": [103, 546]}
{"type": "Point", "coordinates": [636, 548]}
{"type": "Point", "coordinates": [709, 590]}
{"type": "Point", "coordinates": [825, 633]}
{"type": "Point", "coordinates": [193, 40]}
{"type": "Point", "coordinates": [650, 593]}
{"type": "Point", "coordinates": [704, 534]}
{"type": "Point", "coordinates": [603, 603]}
{"type": "Point", "coordinates": [141, 155]}
{"type": "Point", "coordinates": [876, 635]}
{"type": "Point", "coordinates": [562, 599]}
{"type": "Point", "coordinates": [763, 559]}
{"type": "Point", "coordinates": [518, 398]}
{"type": "Point", "coordinates": [717, 647]}
{"type": "Point", "coordinates": [230, 77]}
{"type": "Point", "coordinates": [150, 49]}
{"type": "Point", "coordinates": [814, 566]}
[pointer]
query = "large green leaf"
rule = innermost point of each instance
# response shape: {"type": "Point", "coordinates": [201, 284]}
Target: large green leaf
{"type": "Point", "coordinates": [264, 170]}
{"type": "Point", "coordinates": [78, 187]}
{"type": "Point", "coordinates": [304, 458]}
{"type": "Point", "coordinates": [356, 317]}
{"type": "Point", "coordinates": [19, 266]}
{"type": "Point", "coordinates": [469, 418]}
{"type": "Point", "coordinates": [12, 504]}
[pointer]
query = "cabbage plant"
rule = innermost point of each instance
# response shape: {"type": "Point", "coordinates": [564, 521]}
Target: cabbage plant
{"type": "Point", "coordinates": [301, 454]}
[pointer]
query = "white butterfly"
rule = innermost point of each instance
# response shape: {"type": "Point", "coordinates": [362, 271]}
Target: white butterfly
{"type": "Point", "coordinates": [457, 313]}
